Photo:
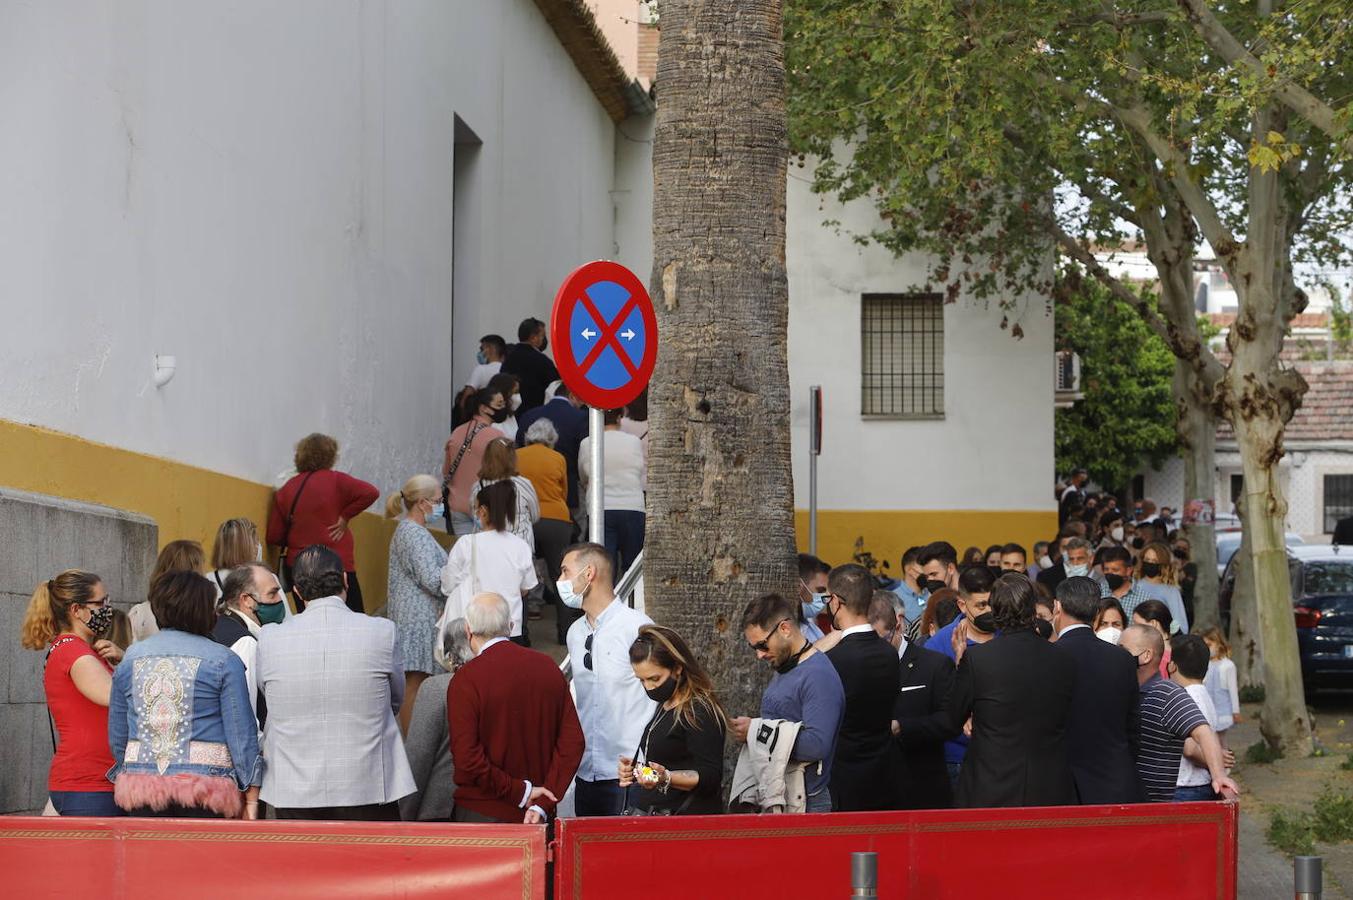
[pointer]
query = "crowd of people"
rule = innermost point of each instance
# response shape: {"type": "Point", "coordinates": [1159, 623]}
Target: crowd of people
{"type": "Point", "coordinates": [989, 679]}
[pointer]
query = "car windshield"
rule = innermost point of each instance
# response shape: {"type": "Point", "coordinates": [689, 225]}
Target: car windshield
{"type": "Point", "coordinates": [1229, 544]}
{"type": "Point", "coordinates": [1329, 577]}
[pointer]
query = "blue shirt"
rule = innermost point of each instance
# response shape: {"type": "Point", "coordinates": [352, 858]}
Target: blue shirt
{"type": "Point", "coordinates": [1170, 596]}
{"type": "Point", "coordinates": [943, 642]}
{"type": "Point", "coordinates": [913, 602]}
{"type": "Point", "coordinates": [810, 693]}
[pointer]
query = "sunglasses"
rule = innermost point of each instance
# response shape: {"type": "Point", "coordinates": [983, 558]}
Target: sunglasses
{"type": "Point", "coordinates": [763, 646]}
{"type": "Point", "coordinates": [587, 657]}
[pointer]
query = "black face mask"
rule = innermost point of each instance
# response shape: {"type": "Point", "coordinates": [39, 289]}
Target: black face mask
{"type": "Point", "coordinates": [1181, 554]}
{"type": "Point", "coordinates": [544, 344]}
{"type": "Point", "coordinates": [1043, 628]}
{"type": "Point", "coordinates": [1151, 570]}
{"type": "Point", "coordinates": [100, 619]}
{"type": "Point", "coordinates": [792, 660]}
{"type": "Point", "coordinates": [996, 571]}
{"type": "Point", "coordinates": [663, 692]}
{"type": "Point", "coordinates": [500, 415]}
{"type": "Point", "coordinates": [932, 585]}
{"type": "Point", "coordinates": [985, 623]}
{"type": "Point", "coordinates": [1114, 581]}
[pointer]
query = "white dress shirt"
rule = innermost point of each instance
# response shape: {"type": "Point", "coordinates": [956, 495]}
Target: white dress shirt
{"type": "Point", "coordinates": [856, 629]}
{"type": "Point", "coordinates": [612, 705]}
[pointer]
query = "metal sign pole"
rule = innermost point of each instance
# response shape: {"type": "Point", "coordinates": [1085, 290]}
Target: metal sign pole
{"type": "Point", "coordinates": [596, 501]}
{"type": "Point", "coordinates": [814, 450]}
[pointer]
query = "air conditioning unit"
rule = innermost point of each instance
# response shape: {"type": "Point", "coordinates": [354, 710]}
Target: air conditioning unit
{"type": "Point", "coordinates": [1068, 372]}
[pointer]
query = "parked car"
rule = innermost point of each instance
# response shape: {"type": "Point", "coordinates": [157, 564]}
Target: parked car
{"type": "Point", "coordinates": [1229, 542]}
{"type": "Point", "coordinates": [1322, 602]}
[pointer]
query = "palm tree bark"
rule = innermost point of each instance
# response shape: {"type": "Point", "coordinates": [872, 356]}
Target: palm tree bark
{"type": "Point", "coordinates": [720, 489]}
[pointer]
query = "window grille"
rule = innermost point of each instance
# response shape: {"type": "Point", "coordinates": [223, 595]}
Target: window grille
{"type": "Point", "coordinates": [1338, 500]}
{"type": "Point", "coordinates": [902, 363]}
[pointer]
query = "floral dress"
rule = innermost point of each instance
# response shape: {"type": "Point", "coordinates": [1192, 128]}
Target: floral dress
{"type": "Point", "coordinates": [415, 594]}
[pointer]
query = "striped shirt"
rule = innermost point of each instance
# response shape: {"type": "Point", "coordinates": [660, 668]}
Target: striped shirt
{"type": "Point", "coordinates": [1168, 715]}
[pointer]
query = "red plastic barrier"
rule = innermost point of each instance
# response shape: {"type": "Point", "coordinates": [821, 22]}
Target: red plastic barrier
{"type": "Point", "coordinates": [147, 859]}
{"type": "Point", "coordinates": [1177, 850]}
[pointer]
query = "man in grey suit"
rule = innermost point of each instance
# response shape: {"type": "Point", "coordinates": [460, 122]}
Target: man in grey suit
{"type": "Point", "coordinates": [333, 681]}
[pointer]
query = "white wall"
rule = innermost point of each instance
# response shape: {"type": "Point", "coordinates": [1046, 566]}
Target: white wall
{"type": "Point", "coordinates": [993, 450]}
{"type": "Point", "coordinates": [265, 191]}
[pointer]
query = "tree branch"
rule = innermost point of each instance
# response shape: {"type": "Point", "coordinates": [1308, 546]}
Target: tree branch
{"type": "Point", "coordinates": [1292, 95]}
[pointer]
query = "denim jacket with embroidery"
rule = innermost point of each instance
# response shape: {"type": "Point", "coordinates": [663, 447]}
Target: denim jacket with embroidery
{"type": "Point", "coordinates": [180, 706]}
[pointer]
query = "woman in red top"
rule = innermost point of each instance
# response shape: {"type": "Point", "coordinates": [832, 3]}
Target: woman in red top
{"type": "Point", "coordinates": [69, 613]}
{"type": "Point", "coordinates": [315, 506]}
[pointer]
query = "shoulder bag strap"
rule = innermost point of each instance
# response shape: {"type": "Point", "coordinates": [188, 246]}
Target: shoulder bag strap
{"type": "Point", "coordinates": [291, 516]}
{"type": "Point", "coordinates": [470, 435]}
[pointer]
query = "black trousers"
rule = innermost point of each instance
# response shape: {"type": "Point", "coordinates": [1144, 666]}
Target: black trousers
{"type": "Point", "coordinates": [354, 600]}
{"type": "Point", "coordinates": [371, 812]}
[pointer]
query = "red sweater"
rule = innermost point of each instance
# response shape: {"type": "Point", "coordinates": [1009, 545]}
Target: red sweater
{"type": "Point", "coordinates": [327, 496]}
{"type": "Point", "coordinates": [512, 721]}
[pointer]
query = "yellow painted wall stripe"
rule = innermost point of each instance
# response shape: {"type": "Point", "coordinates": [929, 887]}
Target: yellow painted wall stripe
{"type": "Point", "coordinates": [186, 502]}
{"type": "Point", "coordinates": [888, 533]}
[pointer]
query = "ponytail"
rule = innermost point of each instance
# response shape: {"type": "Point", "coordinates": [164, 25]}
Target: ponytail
{"type": "Point", "coordinates": [500, 500]}
{"type": "Point", "coordinates": [48, 612]}
{"type": "Point", "coordinates": [419, 487]}
{"type": "Point", "coordinates": [394, 507]}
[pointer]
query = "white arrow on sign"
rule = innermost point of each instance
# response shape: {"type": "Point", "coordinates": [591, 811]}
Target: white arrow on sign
{"type": "Point", "coordinates": [588, 334]}
{"type": "Point", "coordinates": [628, 334]}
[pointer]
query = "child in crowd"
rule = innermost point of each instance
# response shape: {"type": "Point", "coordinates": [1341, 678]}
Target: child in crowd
{"type": "Point", "coordinates": [1221, 682]}
{"type": "Point", "coordinates": [1188, 668]}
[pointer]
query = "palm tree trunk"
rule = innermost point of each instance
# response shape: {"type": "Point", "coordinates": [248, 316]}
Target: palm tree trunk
{"type": "Point", "coordinates": [720, 488]}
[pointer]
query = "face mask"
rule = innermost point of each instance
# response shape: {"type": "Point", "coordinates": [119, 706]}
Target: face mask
{"type": "Point", "coordinates": [663, 692]}
{"type": "Point", "coordinates": [270, 613]}
{"type": "Point", "coordinates": [482, 359]}
{"type": "Point", "coordinates": [1114, 581]}
{"type": "Point", "coordinates": [570, 598]}
{"type": "Point", "coordinates": [1138, 543]}
{"type": "Point", "coordinates": [438, 512]}
{"type": "Point", "coordinates": [1151, 570]}
{"type": "Point", "coordinates": [516, 402]}
{"type": "Point", "coordinates": [1116, 533]}
{"type": "Point", "coordinates": [1077, 571]}
{"type": "Point", "coordinates": [500, 415]}
{"type": "Point", "coordinates": [1109, 633]}
{"type": "Point", "coordinates": [816, 605]}
{"type": "Point", "coordinates": [1045, 562]}
{"type": "Point", "coordinates": [932, 585]}
{"type": "Point", "coordinates": [100, 619]}
{"type": "Point", "coordinates": [1181, 554]}
{"type": "Point", "coordinates": [1043, 628]}
{"type": "Point", "coordinates": [544, 344]}
{"type": "Point", "coordinates": [986, 622]}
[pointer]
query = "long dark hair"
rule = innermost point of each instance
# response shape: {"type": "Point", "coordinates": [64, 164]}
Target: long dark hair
{"type": "Point", "coordinates": [1014, 601]}
{"type": "Point", "coordinates": [500, 499]}
{"type": "Point", "coordinates": [664, 647]}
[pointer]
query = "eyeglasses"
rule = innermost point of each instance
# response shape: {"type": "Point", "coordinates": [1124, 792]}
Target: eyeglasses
{"type": "Point", "coordinates": [99, 603]}
{"type": "Point", "coordinates": [587, 657]}
{"type": "Point", "coordinates": [763, 646]}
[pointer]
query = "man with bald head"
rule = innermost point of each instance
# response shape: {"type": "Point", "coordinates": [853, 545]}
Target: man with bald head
{"type": "Point", "coordinates": [515, 738]}
{"type": "Point", "coordinates": [1167, 716]}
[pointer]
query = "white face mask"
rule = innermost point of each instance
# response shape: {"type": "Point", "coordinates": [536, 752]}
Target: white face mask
{"type": "Point", "coordinates": [1074, 571]}
{"type": "Point", "coordinates": [1045, 562]}
{"type": "Point", "coordinates": [1116, 533]}
{"type": "Point", "coordinates": [1109, 633]}
{"type": "Point", "coordinates": [516, 402]}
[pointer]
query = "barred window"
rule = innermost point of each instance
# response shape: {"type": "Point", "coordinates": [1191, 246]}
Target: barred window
{"type": "Point", "coordinates": [1338, 500]}
{"type": "Point", "coordinates": [902, 363]}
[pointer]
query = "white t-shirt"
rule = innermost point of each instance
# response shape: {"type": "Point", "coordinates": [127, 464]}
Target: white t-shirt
{"type": "Point", "coordinates": [1191, 775]}
{"type": "Point", "coordinates": [479, 378]}
{"type": "Point", "coordinates": [626, 472]}
{"type": "Point", "coordinates": [500, 564]}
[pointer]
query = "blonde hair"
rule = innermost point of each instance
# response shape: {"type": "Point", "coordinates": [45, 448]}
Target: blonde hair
{"type": "Point", "coordinates": [236, 544]}
{"type": "Point", "coordinates": [500, 461]}
{"type": "Point", "coordinates": [48, 612]}
{"type": "Point", "coordinates": [1213, 635]}
{"type": "Point", "coordinates": [416, 489]}
{"type": "Point", "coordinates": [179, 556]}
{"type": "Point", "coordinates": [1168, 574]}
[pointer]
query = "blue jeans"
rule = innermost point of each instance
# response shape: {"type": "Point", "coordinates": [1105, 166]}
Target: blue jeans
{"type": "Point", "coordinates": [820, 802]}
{"type": "Point", "coordinates": [597, 798]}
{"type": "Point", "coordinates": [1195, 792]}
{"type": "Point", "coordinates": [86, 803]}
{"type": "Point", "coordinates": [624, 536]}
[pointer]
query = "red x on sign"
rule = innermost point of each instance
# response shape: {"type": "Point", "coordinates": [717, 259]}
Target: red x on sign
{"type": "Point", "coordinates": [605, 334]}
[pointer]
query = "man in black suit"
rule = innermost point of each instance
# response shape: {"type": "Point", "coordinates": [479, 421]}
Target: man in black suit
{"type": "Point", "coordinates": [1075, 560]}
{"type": "Point", "coordinates": [921, 725]}
{"type": "Point", "coordinates": [1102, 730]}
{"type": "Point", "coordinates": [527, 360]}
{"type": "Point", "coordinates": [1017, 689]}
{"type": "Point", "coordinates": [864, 769]}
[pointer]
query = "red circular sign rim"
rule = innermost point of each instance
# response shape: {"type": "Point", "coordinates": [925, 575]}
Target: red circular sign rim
{"type": "Point", "coordinates": [564, 301]}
